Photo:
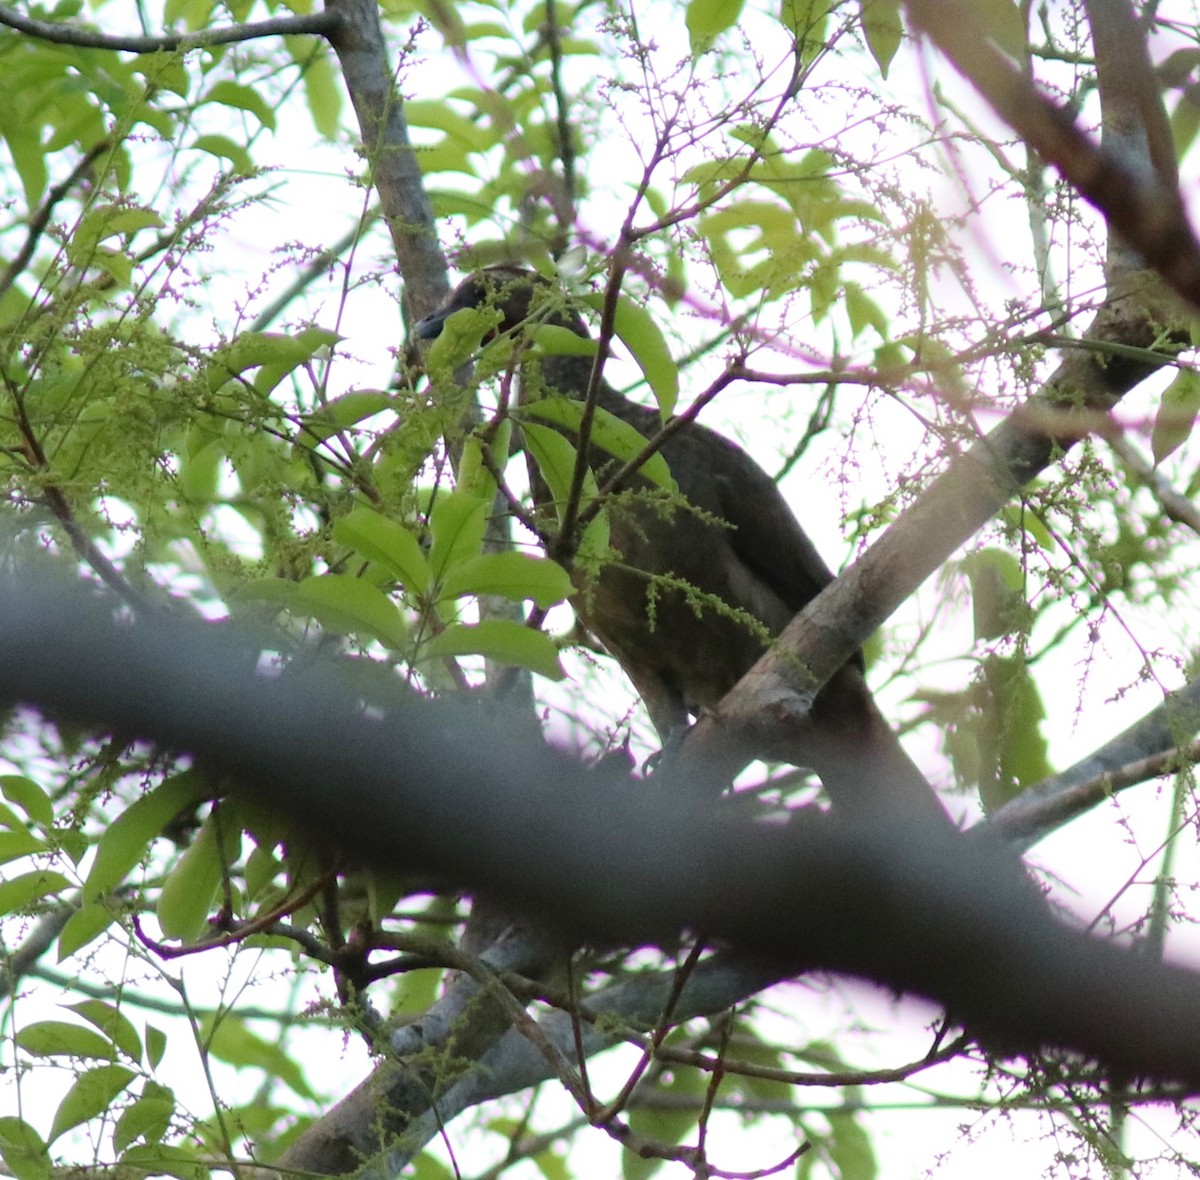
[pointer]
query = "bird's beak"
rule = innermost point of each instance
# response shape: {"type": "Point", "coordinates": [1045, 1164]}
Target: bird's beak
{"type": "Point", "coordinates": [429, 328]}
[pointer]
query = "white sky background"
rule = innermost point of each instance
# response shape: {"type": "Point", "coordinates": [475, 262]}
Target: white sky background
{"type": "Point", "coordinates": [314, 205]}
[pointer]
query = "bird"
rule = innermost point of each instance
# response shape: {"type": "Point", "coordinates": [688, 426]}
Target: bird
{"type": "Point", "coordinates": [703, 580]}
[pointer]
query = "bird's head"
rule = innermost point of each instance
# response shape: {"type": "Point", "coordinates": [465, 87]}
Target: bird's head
{"type": "Point", "coordinates": [517, 293]}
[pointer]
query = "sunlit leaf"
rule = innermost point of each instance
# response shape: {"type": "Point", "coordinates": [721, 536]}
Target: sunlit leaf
{"type": "Point", "coordinates": [30, 797]}
{"type": "Point", "coordinates": [387, 542]}
{"type": "Point", "coordinates": [190, 889]}
{"type": "Point", "coordinates": [555, 459]}
{"type": "Point", "coordinates": [1176, 416]}
{"type": "Point", "coordinates": [502, 640]}
{"type": "Point", "coordinates": [512, 575]}
{"type": "Point", "coordinates": [227, 149]}
{"type": "Point", "coordinates": [608, 433]}
{"type": "Point", "coordinates": [708, 19]}
{"type": "Point", "coordinates": [125, 841]}
{"type": "Point", "coordinates": [1013, 747]}
{"type": "Point", "coordinates": [456, 524]}
{"type": "Point", "coordinates": [230, 94]}
{"type": "Point", "coordinates": [148, 1118]}
{"type": "Point", "coordinates": [349, 606]}
{"type": "Point", "coordinates": [91, 1095]}
{"type": "Point", "coordinates": [322, 84]}
{"type": "Point", "coordinates": [15, 844]}
{"type": "Point", "coordinates": [883, 30]}
{"type": "Point", "coordinates": [639, 330]}
{"type": "Point", "coordinates": [113, 1023]}
{"type": "Point", "coordinates": [84, 926]}
{"type": "Point", "coordinates": [339, 413]}
{"type": "Point", "coordinates": [19, 892]}
{"type": "Point", "coordinates": [57, 1038]}
{"type": "Point", "coordinates": [997, 593]}
{"type": "Point", "coordinates": [23, 1150]}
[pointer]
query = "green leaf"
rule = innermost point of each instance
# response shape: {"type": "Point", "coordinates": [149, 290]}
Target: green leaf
{"type": "Point", "coordinates": [501, 640]}
{"type": "Point", "coordinates": [29, 797]}
{"type": "Point", "coordinates": [1003, 21]}
{"type": "Point", "coordinates": [228, 1039]}
{"type": "Point", "coordinates": [807, 21]}
{"type": "Point", "coordinates": [104, 221]}
{"type": "Point", "coordinates": [200, 472]}
{"type": "Point", "coordinates": [23, 1150]}
{"type": "Point", "coordinates": [555, 340]}
{"type": "Point", "coordinates": [15, 844]}
{"type": "Point", "coordinates": [850, 1148]}
{"type": "Point", "coordinates": [159, 1158]}
{"type": "Point", "coordinates": [83, 927]}
{"type": "Point", "coordinates": [57, 1038]}
{"type": "Point", "coordinates": [126, 839]}
{"type": "Point", "coordinates": [456, 524]}
{"type": "Point", "coordinates": [350, 606]}
{"type": "Point", "coordinates": [339, 413]}
{"type": "Point", "coordinates": [708, 19]}
{"type": "Point", "coordinates": [29, 158]}
{"type": "Point", "coordinates": [147, 1119]}
{"type": "Point", "coordinates": [387, 542]}
{"type": "Point", "coordinates": [997, 593]}
{"type": "Point", "coordinates": [610, 433]}
{"type": "Point", "coordinates": [193, 13]}
{"type": "Point", "coordinates": [1176, 416]}
{"type": "Point", "coordinates": [883, 30]}
{"type": "Point", "coordinates": [638, 330]}
{"type": "Point", "coordinates": [863, 312]}
{"type": "Point", "coordinates": [191, 886]}
{"type": "Point", "coordinates": [20, 892]}
{"type": "Point", "coordinates": [516, 576]}
{"type": "Point", "coordinates": [113, 1023]}
{"type": "Point", "coordinates": [555, 459]}
{"type": "Point", "coordinates": [243, 98]}
{"type": "Point", "coordinates": [156, 1045]}
{"type": "Point", "coordinates": [274, 354]}
{"type": "Point", "coordinates": [91, 1095]}
{"type": "Point", "coordinates": [226, 149]}
{"type": "Point", "coordinates": [322, 84]}
{"type": "Point", "coordinates": [476, 136]}
{"type": "Point", "coordinates": [11, 820]}
{"type": "Point", "coordinates": [1014, 754]}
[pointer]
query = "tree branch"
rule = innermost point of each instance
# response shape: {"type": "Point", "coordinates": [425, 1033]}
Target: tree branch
{"type": "Point", "coordinates": [357, 39]}
{"type": "Point", "coordinates": [318, 23]}
{"type": "Point", "coordinates": [913, 907]}
{"type": "Point", "coordinates": [1156, 744]}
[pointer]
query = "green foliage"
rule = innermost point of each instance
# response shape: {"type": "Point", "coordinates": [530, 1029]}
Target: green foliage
{"type": "Point", "coordinates": [608, 433]}
{"type": "Point", "coordinates": [1176, 417]}
{"type": "Point", "coordinates": [707, 19]}
{"type": "Point", "coordinates": [640, 332]}
{"type": "Point", "coordinates": [23, 1150]}
{"type": "Point", "coordinates": [882, 29]}
{"type": "Point", "coordinates": [228, 1039]}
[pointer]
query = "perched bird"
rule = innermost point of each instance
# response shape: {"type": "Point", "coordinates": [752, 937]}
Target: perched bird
{"type": "Point", "coordinates": [699, 588]}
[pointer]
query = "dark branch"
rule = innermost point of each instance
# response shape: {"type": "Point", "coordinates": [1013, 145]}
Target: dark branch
{"type": "Point", "coordinates": [318, 23]}
{"type": "Point", "coordinates": [913, 907]}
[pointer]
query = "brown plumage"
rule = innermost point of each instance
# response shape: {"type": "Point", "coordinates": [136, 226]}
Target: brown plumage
{"type": "Point", "coordinates": [679, 650]}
